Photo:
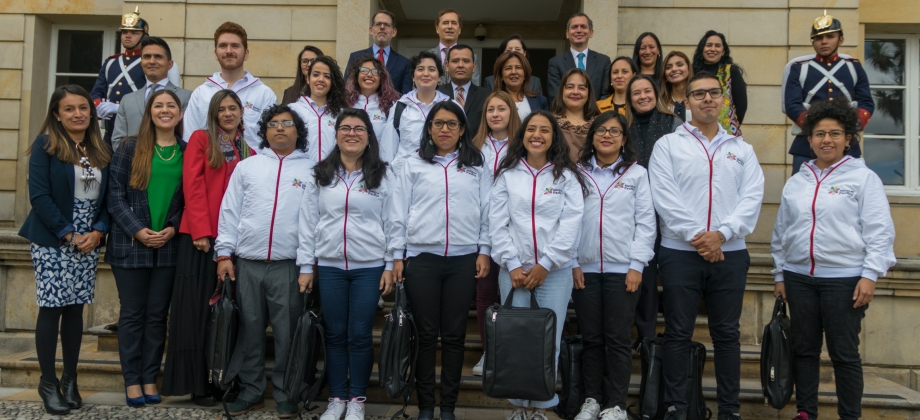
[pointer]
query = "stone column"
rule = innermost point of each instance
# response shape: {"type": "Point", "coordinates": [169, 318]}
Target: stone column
{"type": "Point", "coordinates": [353, 17]}
{"type": "Point", "coordinates": [605, 15]}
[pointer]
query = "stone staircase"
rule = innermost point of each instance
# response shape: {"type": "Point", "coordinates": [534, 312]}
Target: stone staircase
{"type": "Point", "coordinates": [100, 370]}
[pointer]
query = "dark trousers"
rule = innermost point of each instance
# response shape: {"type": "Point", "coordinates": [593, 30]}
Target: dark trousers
{"type": "Point", "coordinates": [144, 295]}
{"type": "Point", "coordinates": [487, 294]}
{"type": "Point", "coordinates": [687, 278]}
{"type": "Point", "coordinates": [605, 315]}
{"type": "Point", "coordinates": [647, 304]}
{"type": "Point", "coordinates": [825, 305]}
{"type": "Point", "coordinates": [440, 290]}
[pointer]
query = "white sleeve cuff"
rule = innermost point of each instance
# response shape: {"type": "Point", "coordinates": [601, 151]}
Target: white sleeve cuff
{"type": "Point", "coordinates": [546, 263]}
{"type": "Point", "coordinates": [513, 264]}
{"type": "Point", "coordinates": [869, 274]}
{"type": "Point", "coordinates": [398, 254]}
{"type": "Point", "coordinates": [485, 250]}
{"type": "Point", "coordinates": [306, 269]}
{"type": "Point", "coordinates": [223, 253]}
{"type": "Point", "coordinates": [727, 231]}
{"type": "Point", "coordinates": [636, 265]}
{"type": "Point", "coordinates": [388, 266]}
{"type": "Point", "coordinates": [778, 277]}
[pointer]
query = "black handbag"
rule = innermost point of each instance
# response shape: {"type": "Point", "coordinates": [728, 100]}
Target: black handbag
{"type": "Point", "coordinates": [398, 351]}
{"type": "Point", "coordinates": [300, 381]}
{"type": "Point", "coordinates": [223, 326]}
{"type": "Point", "coordinates": [651, 390]}
{"type": "Point", "coordinates": [776, 373]}
{"type": "Point", "coordinates": [573, 384]}
{"type": "Point", "coordinates": [520, 351]}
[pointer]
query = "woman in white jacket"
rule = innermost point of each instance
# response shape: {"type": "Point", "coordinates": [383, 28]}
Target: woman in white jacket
{"type": "Point", "coordinates": [342, 228]}
{"type": "Point", "coordinates": [440, 226]}
{"type": "Point", "coordinates": [832, 240]}
{"type": "Point", "coordinates": [535, 220]}
{"type": "Point", "coordinates": [370, 88]}
{"type": "Point", "coordinates": [617, 242]}
{"type": "Point", "coordinates": [320, 107]}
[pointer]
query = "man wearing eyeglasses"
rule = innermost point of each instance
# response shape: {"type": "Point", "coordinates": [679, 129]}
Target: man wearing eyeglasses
{"type": "Point", "coordinates": [461, 64]}
{"type": "Point", "coordinates": [707, 186]}
{"type": "Point", "coordinates": [383, 29]}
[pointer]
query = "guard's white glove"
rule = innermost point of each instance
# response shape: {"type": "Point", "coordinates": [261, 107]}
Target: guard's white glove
{"type": "Point", "coordinates": [106, 109]}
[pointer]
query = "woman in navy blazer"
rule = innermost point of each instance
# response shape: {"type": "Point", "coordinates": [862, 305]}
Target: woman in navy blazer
{"type": "Point", "coordinates": [512, 75]}
{"type": "Point", "coordinates": [68, 173]}
{"type": "Point", "coordinates": [146, 201]}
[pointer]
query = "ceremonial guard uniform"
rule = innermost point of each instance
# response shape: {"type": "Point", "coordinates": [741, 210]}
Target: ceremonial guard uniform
{"type": "Point", "coordinates": [120, 75]}
{"type": "Point", "coordinates": [815, 78]}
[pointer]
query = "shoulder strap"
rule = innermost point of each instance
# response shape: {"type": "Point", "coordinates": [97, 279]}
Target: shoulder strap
{"type": "Point", "coordinates": [319, 383]}
{"type": "Point", "coordinates": [410, 380]}
{"type": "Point", "coordinates": [400, 106]}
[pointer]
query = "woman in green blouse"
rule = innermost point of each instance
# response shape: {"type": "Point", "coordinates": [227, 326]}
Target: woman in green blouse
{"type": "Point", "coordinates": [145, 200]}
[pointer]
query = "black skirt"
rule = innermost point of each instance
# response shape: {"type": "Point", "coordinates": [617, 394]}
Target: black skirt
{"type": "Point", "coordinates": [196, 279]}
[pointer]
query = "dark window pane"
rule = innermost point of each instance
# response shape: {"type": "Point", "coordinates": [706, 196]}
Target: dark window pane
{"type": "Point", "coordinates": [888, 118]}
{"type": "Point", "coordinates": [79, 51]}
{"type": "Point", "coordinates": [885, 61]}
{"type": "Point", "coordinates": [886, 158]}
{"type": "Point", "coordinates": [84, 81]}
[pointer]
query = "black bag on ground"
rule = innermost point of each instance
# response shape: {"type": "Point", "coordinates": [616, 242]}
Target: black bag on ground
{"type": "Point", "coordinates": [573, 394]}
{"type": "Point", "coordinates": [398, 351]}
{"type": "Point", "coordinates": [223, 325]}
{"type": "Point", "coordinates": [651, 390]}
{"type": "Point", "coordinates": [300, 381]}
{"type": "Point", "coordinates": [776, 373]}
{"type": "Point", "coordinates": [520, 348]}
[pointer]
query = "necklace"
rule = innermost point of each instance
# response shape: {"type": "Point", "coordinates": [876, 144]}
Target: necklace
{"type": "Point", "coordinates": [158, 148]}
{"type": "Point", "coordinates": [88, 176]}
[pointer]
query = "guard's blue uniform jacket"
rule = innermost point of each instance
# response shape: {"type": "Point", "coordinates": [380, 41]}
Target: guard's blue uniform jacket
{"type": "Point", "coordinates": [825, 79]}
{"type": "Point", "coordinates": [120, 75]}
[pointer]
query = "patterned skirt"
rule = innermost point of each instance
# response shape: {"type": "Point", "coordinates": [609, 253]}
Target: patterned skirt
{"type": "Point", "coordinates": [64, 275]}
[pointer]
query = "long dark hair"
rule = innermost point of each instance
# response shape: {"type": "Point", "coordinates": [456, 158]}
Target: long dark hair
{"type": "Point", "coordinates": [589, 109]}
{"type": "Point", "coordinates": [528, 72]}
{"type": "Point", "coordinates": [638, 45]}
{"type": "Point", "coordinates": [372, 168]}
{"type": "Point", "coordinates": [336, 98]}
{"type": "Point", "coordinates": [270, 113]}
{"type": "Point", "coordinates": [469, 155]}
{"type": "Point", "coordinates": [386, 94]}
{"type": "Point", "coordinates": [300, 81]}
{"type": "Point", "coordinates": [558, 153]}
{"type": "Point", "coordinates": [146, 140]}
{"type": "Point", "coordinates": [630, 152]}
{"type": "Point", "coordinates": [699, 62]}
{"type": "Point", "coordinates": [632, 65]}
{"type": "Point", "coordinates": [59, 142]}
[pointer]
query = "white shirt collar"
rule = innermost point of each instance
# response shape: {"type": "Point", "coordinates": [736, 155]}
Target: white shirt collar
{"type": "Point", "coordinates": [575, 56]}
{"type": "Point", "coordinates": [247, 79]}
{"type": "Point", "coordinates": [595, 166]}
{"type": "Point", "coordinates": [386, 50]}
{"type": "Point", "coordinates": [466, 88]}
{"type": "Point", "coordinates": [444, 160]}
{"type": "Point", "coordinates": [163, 83]}
{"type": "Point", "coordinates": [313, 104]}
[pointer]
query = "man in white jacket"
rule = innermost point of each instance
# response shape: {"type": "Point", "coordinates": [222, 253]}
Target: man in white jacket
{"type": "Point", "coordinates": [707, 187]}
{"type": "Point", "coordinates": [258, 224]}
{"type": "Point", "coordinates": [231, 49]}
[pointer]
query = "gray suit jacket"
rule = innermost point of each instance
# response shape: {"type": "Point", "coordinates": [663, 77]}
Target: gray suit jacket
{"type": "Point", "coordinates": [445, 78]}
{"type": "Point", "coordinates": [131, 111]}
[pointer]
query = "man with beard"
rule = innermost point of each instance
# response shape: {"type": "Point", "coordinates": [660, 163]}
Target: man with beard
{"type": "Point", "coordinates": [383, 29]}
{"type": "Point", "coordinates": [231, 49]}
{"type": "Point", "coordinates": [121, 73]}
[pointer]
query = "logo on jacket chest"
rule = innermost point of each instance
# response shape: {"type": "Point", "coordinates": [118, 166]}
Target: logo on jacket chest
{"type": "Point", "coordinates": [620, 185]}
{"type": "Point", "coordinates": [249, 105]}
{"type": "Point", "coordinates": [734, 158]}
{"type": "Point", "coordinates": [299, 184]}
{"type": "Point", "coordinates": [330, 123]}
{"type": "Point", "coordinates": [552, 191]}
{"type": "Point", "coordinates": [836, 190]}
{"type": "Point", "coordinates": [465, 170]}
{"type": "Point", "coordinates": [363, 189]}
{"type": "Point", "coordinates": [378, 117]}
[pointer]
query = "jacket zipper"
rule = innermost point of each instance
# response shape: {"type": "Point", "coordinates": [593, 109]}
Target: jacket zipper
{"type": "Point", "coordinates": [710, 159]}
{"type": "Point", "coordinates": [271, 228]}
{"type": "Point", "coordinates": [345, 228]}
{"type": "Point", "coordinates": [533, 207]}
{"type": "Point", "coordinates": [446, 208]}
{"type": "Point", "coordinates": [814, 220]}
{"type": "Point", "coordinates": [602, 196]}
{"type": "Point", "coordinates": [319, 129]}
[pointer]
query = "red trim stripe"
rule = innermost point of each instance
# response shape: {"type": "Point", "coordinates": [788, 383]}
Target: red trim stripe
{"type": "Point", "coordinates": [602, 195]}
{"type": "Point", "coordinates": [814, 200]}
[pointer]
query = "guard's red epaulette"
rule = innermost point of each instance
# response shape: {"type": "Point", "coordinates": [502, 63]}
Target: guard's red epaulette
{"type": "Point", "coordinates": [803, 61]}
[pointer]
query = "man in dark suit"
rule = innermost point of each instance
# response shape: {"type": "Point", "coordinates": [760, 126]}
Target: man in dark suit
{"type": "Point", "coordinates": [461, 65]}
{"type": "Point", "coordinates": [579, 30]}
{"type": "Point", "coordinates": [383, 29]}
{"type": "Point", "coordinates": [448, 26]}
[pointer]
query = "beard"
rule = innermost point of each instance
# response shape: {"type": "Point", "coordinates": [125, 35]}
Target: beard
{"type": "Point", "coordinates": [231, 63]}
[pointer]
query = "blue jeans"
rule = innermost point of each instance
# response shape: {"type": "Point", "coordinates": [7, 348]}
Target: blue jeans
{"type": "Point", "coordinates": [553, 294]}
{"type": "Point", "coordinates": [349, 307]}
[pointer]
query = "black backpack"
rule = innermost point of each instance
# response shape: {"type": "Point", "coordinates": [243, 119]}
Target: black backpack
{"type": "Point", "coordinates": [651, 390]}
{"type": "Point", "coordinates": [223, 326]}
{"type": "Point", "coordinates": [300, 381]}
{"type": "Point", "coordinates": [573, 385]}
{"type": "Point", "coordinates": [776, 373]}
{"type": "Point", "coordinates": [397, 115]}
{"type": "Point", "coordinates": [398, 351]}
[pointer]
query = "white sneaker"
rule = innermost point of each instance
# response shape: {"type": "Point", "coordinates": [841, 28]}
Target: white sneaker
{"type": "Point", "coordinates": [355, 409]}
{"type": "Point", "coordinates": [517, 414]}
{"type": "Point", "coordinates": [335, 410]}
{"type": "Point", "coordinates": [477, 370]}
{"type": "Point", "coordinates": [538, 415]}
{"type": "Point", "coordinates": [589, 410]}
{"type": "Point", "coordinates": [615, 413]}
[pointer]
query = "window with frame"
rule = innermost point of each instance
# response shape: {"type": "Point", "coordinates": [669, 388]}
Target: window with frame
{"type": "Point", "coordinates": [77, 52]}
{"type": "Point", "coordinates": [892, 137]}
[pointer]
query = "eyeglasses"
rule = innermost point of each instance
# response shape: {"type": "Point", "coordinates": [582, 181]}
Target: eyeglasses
{"type": "Point", "coordinates": [276, 124]}
{"type": "Point", "coordinates": [383, 25]}
{"type": "Point", "coordinates": [307, 60]}
{"type": "Point", "coordinates": [358, 129]}
{"type": "Point", "coordinates": [700, 94]}
{"type": "Point", "coordinates": [614, 132]}
{"type": "Point", "coordinates": [365, 70]}
{"type": "Point", "coordinates": [835, 134]}
{"type": "Point", "coordinates": [451, 124]}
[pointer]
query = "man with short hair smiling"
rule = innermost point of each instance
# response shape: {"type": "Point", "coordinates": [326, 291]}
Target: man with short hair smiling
{"type": "Point", "coordinates": [579, 30]}
{"type": "Point", "coordinates": [461, 64]}
{"type": "Point", "coordinates": [156, 60]}
{"type": "Point", "coordinates": [448, 26]}
{"type": "Point", "coordinates": [707, 186]}
{"type": "Point", "coordinates": [383, 29]}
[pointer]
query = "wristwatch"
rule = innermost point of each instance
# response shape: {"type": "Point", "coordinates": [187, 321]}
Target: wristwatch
{"type": "Point", "coordinates": [721, 236]}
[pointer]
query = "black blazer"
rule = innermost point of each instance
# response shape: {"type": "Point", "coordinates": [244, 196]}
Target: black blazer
{"type": "Point", "coordinates": [535, 84]}
{"type": "Point", "coordinates": [538, 103]}
{"type": "Point", "coordinates": [51, 184]}
{"type": "Point", "coordinates": [131, 213]}
{"type": "Point", "coordinates": [473, 104]}
{"type": "Point", "coordinates": [598, 68]}
{"type": "Point", "coordinates": [397, 66]}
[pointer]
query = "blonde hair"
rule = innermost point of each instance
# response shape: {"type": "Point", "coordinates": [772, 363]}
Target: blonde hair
{"type": "Point", "coordinates": [513, 124]}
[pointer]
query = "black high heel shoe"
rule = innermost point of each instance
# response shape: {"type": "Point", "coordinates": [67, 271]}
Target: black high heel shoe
{"type": "Point", "coordinates": [52, 398]}
{"type": "Point", "coordinates": [71, 393]}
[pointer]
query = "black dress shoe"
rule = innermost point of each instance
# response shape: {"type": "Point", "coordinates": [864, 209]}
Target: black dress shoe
{"type": "Point", "coordinates": [70, 392]}
{"type": "Point", "coordinates": [52, 398]}
{"type": "Point", "coordinates": [204, 400]}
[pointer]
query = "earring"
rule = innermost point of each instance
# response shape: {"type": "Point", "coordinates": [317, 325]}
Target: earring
{"type": "Point", "coordinates": [622, 149]}
{"type": "Point", "coordinates": [430, 143]}
{"type": "Point", "coordinates": [459, 145]}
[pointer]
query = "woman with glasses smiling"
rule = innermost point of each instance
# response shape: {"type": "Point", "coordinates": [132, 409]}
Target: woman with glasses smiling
{"type": "Point", "coordinates": [440, 225]}
{"type": "Point", "coordinates": [370, 88]}
{"type": "Point", "coordinates": [304, 60]}
{"type": "Point", "coordinates": [832, 240]}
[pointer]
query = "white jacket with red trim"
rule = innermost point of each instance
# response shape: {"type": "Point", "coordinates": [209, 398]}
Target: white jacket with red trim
{"type": "Point", "coordinates": [618, 227]}
{"type": "Point", "coordinates": [440, 208]}
{"type": "Point", "coordinates": [255, 96]}
{"type": "Point", "coordinates": [344, 224]}
{"type": "Point", "coordinates": [834, 223]}
{"type": "Point", "coordinates": [398, 145]}
{"type": "Point", "coordinates": [320, 125]}
{"type": "Point", "coordinates": [261, 208]}
{"type": "Point", "coordinates": [535, 218]}
{"type": "Point", "coordinates": [371, 105]}
{"type": "Point", "coordinates": [494, 150]}
{"type": "Point", "coordinates": [699, 186]}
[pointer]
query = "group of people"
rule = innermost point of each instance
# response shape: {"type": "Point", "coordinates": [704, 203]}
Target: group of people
{"type": "Point", "coordinates": [463, 193]}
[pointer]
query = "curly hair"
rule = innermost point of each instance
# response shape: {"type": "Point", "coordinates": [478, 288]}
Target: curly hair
{"type": "Point", "coordinates": [335, 99]}
{"type": "Point", "coordinates": [839, 111]}
{"type": "Point", "coordinates": [387, 95]}
{"type": "Point", "coordinates": [698, 60]}
{"type": "Point", "coordinates": [630, 152]}
{"type": "Point", "coordinates": [270, 113]}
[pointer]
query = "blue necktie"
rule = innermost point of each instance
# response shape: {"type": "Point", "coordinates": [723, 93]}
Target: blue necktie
{"type": "Point", "coordinates": [581, 61]}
